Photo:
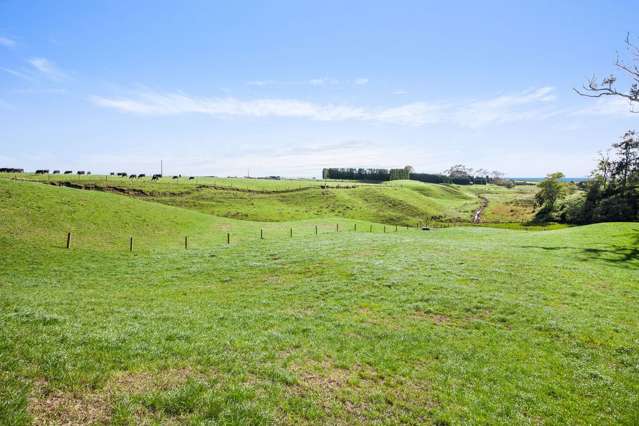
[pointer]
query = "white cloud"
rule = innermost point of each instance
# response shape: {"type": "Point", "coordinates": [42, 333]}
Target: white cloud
{"type": "Point", "coordinates": [7, 42]}
{"type": "Point", "coordinates": [528, 105]}
{"type": "Point", "coordinates": [47, 68]}
{"type": "Point", "coordinates": [24, 75]}
{"type": "Point", "coordinates": [323, 81]}
{"type": "Point", "coordinates": [608, 106]}
{"type": "Point", "coordinates": [360, 81]}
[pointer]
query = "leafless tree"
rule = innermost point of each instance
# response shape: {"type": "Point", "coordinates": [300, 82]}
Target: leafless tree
{"type": "Point", "coordinates": [607, 86]}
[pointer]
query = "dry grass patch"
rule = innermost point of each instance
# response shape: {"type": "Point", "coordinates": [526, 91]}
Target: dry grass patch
{"type": "Point", "coordinates": [54, 407]}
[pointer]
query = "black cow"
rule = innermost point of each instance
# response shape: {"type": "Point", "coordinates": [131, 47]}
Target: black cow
{"type": "Point", "coordinates": [56, 172]}
{"type": "Point", "coordinates": [122, 174]}
{"type": "Point", "coordinates": [141, 175]}
{"type": "Point", "coordinates": [132, 177]}
{"type": "Point", "coordinates": [191, 178]}
{"type": "Point", "coordinates": [112, 174]}
{"type": "Point", "coordinates": [11, 170]}
{"type": "Point", "coordinates": [42, 171]}
{"type": "Point", "coordinates": [81, 172]}
{"type": "Point", "coordinates": [174, 177]}
{"type": "Point", "coordinates": [68, 172]}
{"type": "Point", "coordinates": [156, 176]}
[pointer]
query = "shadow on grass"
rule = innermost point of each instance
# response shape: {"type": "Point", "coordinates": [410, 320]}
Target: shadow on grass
{"type": "Point", "coordinates": [627, 255]}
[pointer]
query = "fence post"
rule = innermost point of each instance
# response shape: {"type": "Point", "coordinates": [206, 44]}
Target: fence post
{"type": "Point", "coordinates": [186, 242]}
{"type": "Point", "coordinates": [261, 234]}
{"type": "Point", "coordinates": [355, 227]}
{"type": "Point", "coordinates": [315, 229]}
{"type": "Point", "coordinates": [337, 227]}
{"type": "Point", "coordinates": [395, 228]}
{"type": "Point", "coordinates": [68, 239]}
{"type": "Point", "coordinates": [130, 243]}
{"type": "Point", "coordinates": [291, 232]}
{"type": "Point", "coordinates": [228, 238]}
{"type": "Point", "coordinates": [371, 228]}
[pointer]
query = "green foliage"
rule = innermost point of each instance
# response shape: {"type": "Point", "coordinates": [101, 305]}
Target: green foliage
{"type": "Point", "coordinates": [550, 190]}
{"type": "Point", "coordinates": [611, 195]}
{"type": "Point", "coordinates": [399, 174]}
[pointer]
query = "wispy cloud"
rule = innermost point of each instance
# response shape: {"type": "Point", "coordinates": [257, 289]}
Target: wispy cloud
{"type": "Point", "coordinates": [534, 104]}
{"type": "Point", "coordinates": [320, 81]}
{"type": "Point", "coordinates": [607, 106]}
{"type": "Point", "coordinates": [22, 74]}
{"type": "Point", "coordinates": [47, 68]}
{"type": "Point", "coordinates": [7, 42]}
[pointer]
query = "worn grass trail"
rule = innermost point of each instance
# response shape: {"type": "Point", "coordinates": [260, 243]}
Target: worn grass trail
{"type": "Point", "coordinates": [460, 325]}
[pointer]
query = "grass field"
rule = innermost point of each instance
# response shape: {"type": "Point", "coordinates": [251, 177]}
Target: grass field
{"type": "Point", "coordinates": [451, 326]}
{"type": "Point", "coordinates": [394, 203]}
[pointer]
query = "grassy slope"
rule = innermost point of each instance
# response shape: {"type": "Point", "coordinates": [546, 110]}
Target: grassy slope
{"type": "Point", "coordinates": [399, 202]}
{"type": "Point", "coordinates": [515, 327]}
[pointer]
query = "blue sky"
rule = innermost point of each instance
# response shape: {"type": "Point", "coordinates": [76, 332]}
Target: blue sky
{"type": "Point", "coordinates": [287, 88]}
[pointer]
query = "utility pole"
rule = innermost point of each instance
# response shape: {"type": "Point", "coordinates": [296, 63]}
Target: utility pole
{"type": "Point", "coordinates": [161, 168]}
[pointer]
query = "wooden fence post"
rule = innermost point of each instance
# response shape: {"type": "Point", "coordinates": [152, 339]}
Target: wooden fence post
{"type": "Point", "coordinates": [186, 242]}
{"type": "Point", "coordinates": [68, 239]}
{"type": "Point", "coordinates": [384, 229]}
{"type": "Point", "coordinates": [337, 227]}
{"type": "Point", "coordinates": [371, 228]}
{"type": "Point", "coordinates": [130, 243]}
{"type": "Point", "coordinates": [261, 234]}
{"type": "Point", "coordinates": [228, 238]}
{"type": "Point", "coordinates": [291, 232]}
{"type": "Point", "coordinates": [355, 227]}
{"type": "Point", "coordinates": [395, 228]}
{"type": "Point", "coordinates": [315, 229]}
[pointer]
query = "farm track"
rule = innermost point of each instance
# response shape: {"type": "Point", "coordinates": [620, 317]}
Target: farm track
{"type": "Point", "coordinates": [483, 203]}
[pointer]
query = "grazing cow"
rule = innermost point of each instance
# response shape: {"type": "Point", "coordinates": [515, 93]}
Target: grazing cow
{"type": "Point", "coordinates": [11, 170]}
{"type": "Point", "coordinates": [132, 177]}
{"type": "Point", "coordinates": [56, 172]}
{"type": "Point", "coordinates": [191, 178]}
{"type": "Point", "coordinates": [112, 174]}
{"type": "Point", "coordinates": [141, 175]}
{"type": "Point", "coordinates": [174, 177]}
{"type": "Point", "coordinates": [122, 174]}
{"type": "Point", "coordinates": [88, 173]}
{"type": "Point", "coordinates": [42, 171]}
{"type": "Point", "coordinates": [68, 172]}
{"type": "Point", "coordinates": [80, 172]}
{"type": "Point", "coordinates": [155, 177]}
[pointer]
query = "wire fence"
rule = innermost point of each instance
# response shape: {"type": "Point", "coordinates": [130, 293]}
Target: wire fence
{"type": "Point", "coordinates": [80, 239]}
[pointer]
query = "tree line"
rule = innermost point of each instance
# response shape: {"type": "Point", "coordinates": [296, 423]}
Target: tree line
{"type": "Point", "coordinates": [457, 174]}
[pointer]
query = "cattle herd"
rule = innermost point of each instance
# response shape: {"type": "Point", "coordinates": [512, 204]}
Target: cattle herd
{"type": "Point", "coordinates": [155, 177]}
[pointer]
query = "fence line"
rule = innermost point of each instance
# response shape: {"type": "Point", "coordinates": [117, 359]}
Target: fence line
{"type": "Point", "coordinates": [261, 234]}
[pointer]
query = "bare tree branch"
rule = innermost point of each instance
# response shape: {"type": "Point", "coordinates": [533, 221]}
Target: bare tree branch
{"type": "Point", "coordinates": [607, 87]}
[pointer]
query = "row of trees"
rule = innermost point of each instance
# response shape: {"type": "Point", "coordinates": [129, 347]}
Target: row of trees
{"type": "Point", "coordinates": [458, 174]}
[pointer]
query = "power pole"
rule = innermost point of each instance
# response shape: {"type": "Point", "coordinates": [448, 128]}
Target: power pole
{"type": "Point", "coordinates": [161, 168]}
